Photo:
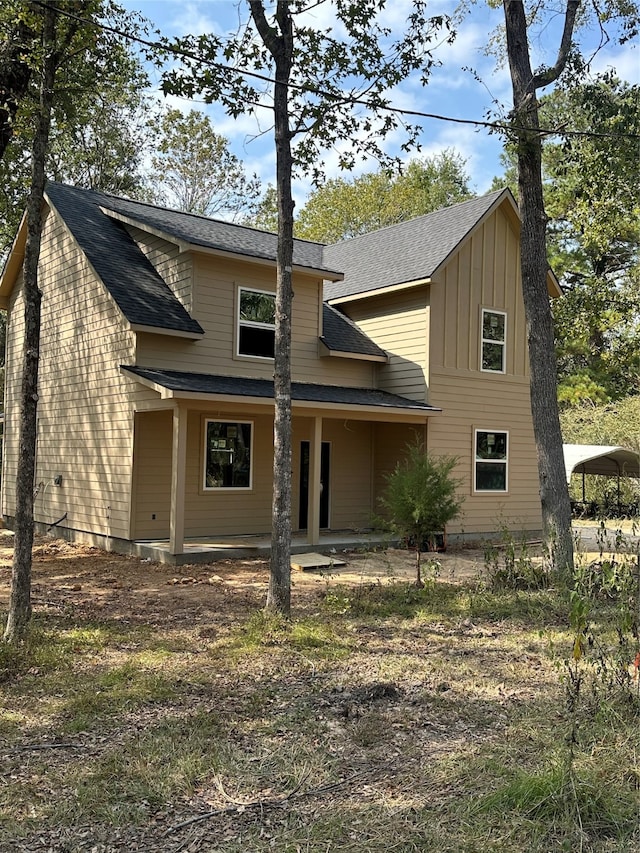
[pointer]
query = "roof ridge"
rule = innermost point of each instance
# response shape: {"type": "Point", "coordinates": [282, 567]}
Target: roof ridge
{"type": "Point", "coordinates": [494, 194]}
{"type": "Point", "coordinates": [175, 211]}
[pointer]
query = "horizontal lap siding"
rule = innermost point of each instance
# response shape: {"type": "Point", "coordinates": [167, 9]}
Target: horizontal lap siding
{"type": "Point", "coordinates": [390, 446]}
{"type": "Point", "coordinates": [214, 307]}
{"type": "Point", "coordinates": [152, 477]}
{"type": "Point", "coordinates": [350, 486]}
{"type": "Point", "coordinates": [399, 323]}
{"type": "Point", "coordinates": [229, 512]}
{"type": "Point", "coordinates": [175, 267]}
{"type": "Point", "coordinates": [84, 420]}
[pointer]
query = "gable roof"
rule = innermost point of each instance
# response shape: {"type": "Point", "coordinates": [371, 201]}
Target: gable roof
{"type": "Point", "coordinates": [137, 289]}
{"type": "Point", "coordinates": [408, 251]}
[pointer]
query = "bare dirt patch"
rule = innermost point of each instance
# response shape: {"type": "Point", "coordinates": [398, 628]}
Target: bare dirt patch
{"type": "Point", "coordinates": [107, 586]}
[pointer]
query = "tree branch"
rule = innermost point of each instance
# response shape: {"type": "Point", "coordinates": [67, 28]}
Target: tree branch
{"type": "Point", "coordinates": [543, 77]}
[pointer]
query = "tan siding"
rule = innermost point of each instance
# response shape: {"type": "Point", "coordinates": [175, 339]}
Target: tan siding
{"type": "Point", "coordinates": [350, 486]}
{"type": "Point", "coordinates": [399, 323]}
{"type": "Point", "coordinates": [485, 273]}
{"type": "Point", "coordinates": [216, 284]}
{"type": "Point", "coordinates": [175, 267]}
{"type": "Point", "coordinates": [390, 443]}
{"type": "Point", "coordinates": [152, 465]}
{"type": "Point", "coordinates": [502, 406]}
{"type": "Point", "coordinates": [84, 423]}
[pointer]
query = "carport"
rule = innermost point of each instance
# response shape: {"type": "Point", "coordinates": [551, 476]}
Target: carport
{"type": "Point", "coordinates": [606, 460]}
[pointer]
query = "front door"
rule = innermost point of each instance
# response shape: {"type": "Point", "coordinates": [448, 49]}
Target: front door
{"type": "Point", "coordinates": [325, 462]}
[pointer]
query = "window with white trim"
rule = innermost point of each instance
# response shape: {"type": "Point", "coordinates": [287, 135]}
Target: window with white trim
{"type": "Point", "coordinates": [256, 323]}
{"type": "Point", "coordinates": [490, 472]}
{"type": "Point", "coordinates": [227, 454]}
{"type": "Point", "coordinates": [494, 341]}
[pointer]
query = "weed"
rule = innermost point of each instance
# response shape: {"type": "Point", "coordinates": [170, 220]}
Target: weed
{"type": "Point", "coordinates": [511, 565]}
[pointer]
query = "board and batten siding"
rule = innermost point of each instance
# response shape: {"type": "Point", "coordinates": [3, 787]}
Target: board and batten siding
{"type": "Point", "coordinates": [216, 283]}
{"type": "Point", "coordinates": [484, 273]}
{"type": "Point", "coordinates": [84, 430]}
{"type": "Point", "coordinates": [399, 323]}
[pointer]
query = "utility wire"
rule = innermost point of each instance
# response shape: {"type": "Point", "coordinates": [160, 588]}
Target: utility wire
{"type": "Point", "coordinates": [300, 87]}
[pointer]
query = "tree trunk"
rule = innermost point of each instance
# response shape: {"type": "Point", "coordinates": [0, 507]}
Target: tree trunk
{"type": "Point", "coordinates": [554, 495]}
{"type": "Point", "coordinates": [20, 600]}
{"type": "Point", "coordinates": [281, 48]}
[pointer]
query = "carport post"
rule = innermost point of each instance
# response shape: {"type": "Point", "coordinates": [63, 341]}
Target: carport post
{"type": "Point", "coordinates": [178, 465]}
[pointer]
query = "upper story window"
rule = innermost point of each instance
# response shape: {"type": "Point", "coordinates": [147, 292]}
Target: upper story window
{"type": "Point", "coordinates": [227, 457]}
{"type": "Point", "coordinates": [256, 323]}
{"type": "Point", "coordinates": [491, 459]}
{"type": "Point", "coordinates": [494, 340]}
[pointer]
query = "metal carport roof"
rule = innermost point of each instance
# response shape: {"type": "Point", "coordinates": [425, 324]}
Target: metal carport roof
{"type": "Point", "coordinates": [609, 460]}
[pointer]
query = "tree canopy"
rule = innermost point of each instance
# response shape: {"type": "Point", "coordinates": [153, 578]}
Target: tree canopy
{"type": "Point", "coordinates": [346, 207]}
{"type": "Point", "coordinates": [192, 168]}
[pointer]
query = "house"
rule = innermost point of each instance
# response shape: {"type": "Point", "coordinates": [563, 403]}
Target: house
{"type": "Point", "coordinates": [155, 417]}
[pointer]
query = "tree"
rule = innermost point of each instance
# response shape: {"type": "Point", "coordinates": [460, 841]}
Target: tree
{"type": "Point", "coordinates": [65, 44]}
{"type": "Point", "coordinates": [193, 169]}
{"type": "Point", "coordinates": [98, 134]}
{"type": "Point", "coordinates": [343, 208]}
{"type": "Point", "coordinates": [420, 498]}
{"type": "Point", "coordinates": [556, 510]}
{"type": "Point", "coordinates": [554, 495]}
{"type": "Point", "coordinates": [57, 38]}
{"type": "Point", "coordinates": [16, 45]}
{"type": "Point", "coordinates": [321, 90]}
{"type": "Point", "coordinates": [594, 237]}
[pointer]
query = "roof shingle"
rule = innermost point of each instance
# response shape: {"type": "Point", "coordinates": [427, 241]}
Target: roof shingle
{"type": "Point", "coordinates": [408, 251]}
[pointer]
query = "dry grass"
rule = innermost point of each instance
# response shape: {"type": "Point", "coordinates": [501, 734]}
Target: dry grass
{"type": "Point", "coordinates": [148, 715]}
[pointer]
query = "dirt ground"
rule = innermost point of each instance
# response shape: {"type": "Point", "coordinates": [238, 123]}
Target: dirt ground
{"type": "Point", "coordinates": [110, 585]}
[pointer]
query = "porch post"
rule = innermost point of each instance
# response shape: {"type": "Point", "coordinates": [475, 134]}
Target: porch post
{"type": "Point", "coordinates": [315, 456]}
{"type": "Point", "coordinates": [178, 465]}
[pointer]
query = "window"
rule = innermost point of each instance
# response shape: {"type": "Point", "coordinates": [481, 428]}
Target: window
{"type": "Point", "coordinates": [491, 456]}
{"type": "Point", "coordinates": [227, 458]}
{"type": "Point", "coordinates": [256, 323]}
{"type": "Point", "coordinates": [494, 335]}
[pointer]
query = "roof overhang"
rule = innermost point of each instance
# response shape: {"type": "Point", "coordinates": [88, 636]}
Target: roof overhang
{"type": "Point", "coordinates": [305, 397]}
{"type": "Point", "coordinates": [165, 332]}
{"type": "Point", "coordinates": [14, 262]}
{"type": "Point", "coordinates": [325, 350]}
{"type": "Point", "coordinates": [379, 291]}
{"type": "Point", "coordinates": [607, 460]}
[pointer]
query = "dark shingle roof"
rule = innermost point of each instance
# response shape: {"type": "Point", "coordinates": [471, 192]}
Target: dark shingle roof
{"type": "Point", "coordinates": [203, 383]}
{"type": "Point", "coordinates": [341, 334]}
{"type": "Point", "coordinates": [405, 252]}
{"type": "Point", "coordinates": [138, 290]}
{"type": "Point", "coordinates": [216, 234]}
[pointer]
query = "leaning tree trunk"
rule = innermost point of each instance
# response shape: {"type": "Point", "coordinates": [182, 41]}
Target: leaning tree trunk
{"type": "Point", "coordinates": [554, 495]}
{"type": "Point", "coordinates": [281, 48]}
{"type": "Point", "coordinates": [20, 600]}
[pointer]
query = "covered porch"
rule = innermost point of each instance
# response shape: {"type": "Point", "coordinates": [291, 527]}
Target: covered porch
{"type": "Point", "coordinates": [344, 441]}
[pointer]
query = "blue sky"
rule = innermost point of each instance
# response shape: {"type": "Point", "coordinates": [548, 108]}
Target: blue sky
{"type": "Point", "coordinates": [467, 84]}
